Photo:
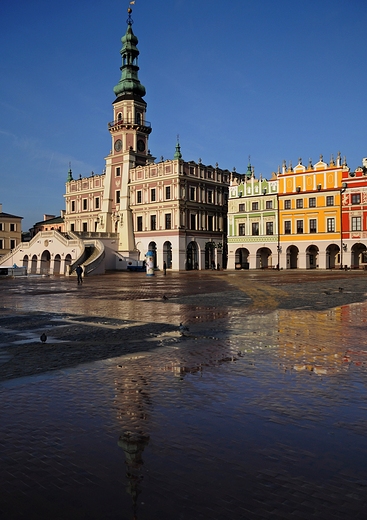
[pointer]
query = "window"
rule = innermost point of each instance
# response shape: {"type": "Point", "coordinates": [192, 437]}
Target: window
{"type": "Point", "coordinates": [139, 222]}
{"type": "Point", "coordinates": [85, 226]}
{"type": "Point", "coordinates": [167, 219]}
{"type": "Point", "coordinates": [269, 228]}
{"type": "Point", "coordinates": [152, 195]}
{"type": "Point", "coordinates": [255, 206]}
{"type": "Point", "coordinates": [299, 226]}
{"type": "Point", "coordinates": [192, 193]}
{"type": "Point", "coordinates": [356, 224]}
{"type": "Point", "coordinates": [12, 244]}
{"type": "Point", "coordinates": [299, 203]}
{"type": "Point", "coordinates": [168, 192]}
{"type": "Point", "coordinates": [118, 171]}
{"type": "Point", "coordinates": [210, 223]}
{"type": "Point", "coordinates": [269, 204]}
{"type": "Point", "coordinates": [138, 197]}
{"type": "Point", "coordinates": [73, 205]}
{"type": "Point", "coordinates": [330, 224]}
{"type": "Point", "coordinates": [12, 227]}
{"type": "Point", "coordinates": [1, 226]}
{"type": "Point", "coordinates": [118, 197]}
{"type": "Point", "coordinates": [210, 197]}
{"type": "Point", "coordinates": [72, 227]}
{"type": "Point", "coordinates": [1, 243]}
{"type": "Point", "coordinates": [96, 202]}
{"type": "Point", "coordinates": [312, 202]}
{"type": "Point", "coordinates": [287, 204]}
{"type": "Point", "coordinates": [85, 204]}
{"type": "Point", "coordinates": [313, 225]}
{"type": "Point", "coordinates": [153, 222]}
{"type": "Point", "coordinates": [192, 221]}
{"type": "Point", "coordinates": [241, 207]}
{"type": "Point", "coordinates": [241, 230]}
{"type": "Point", "coordinates": [330, 200]}
{"type": "Point", "coordinates": [287, 227]}
{"type": "Point", "coordinates": [356, 198]}
{"type": "Point", "coordinates": [255, 228]}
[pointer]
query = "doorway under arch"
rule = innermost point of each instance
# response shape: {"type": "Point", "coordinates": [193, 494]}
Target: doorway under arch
{"type": "Point", "coordinates": [25, 262]}
{"type": "Point", "coordinates": [67, 262]}
{"type": "Point", "coordinates": [241, 259]}
{"type": "Point", "coordinates": [358, 251]}
{"type": "Point", "coordinates": [191, 256]}
{"type": "Point", "coordinates": [292, 257]}
{"type": "Point", "coordinates": [167, 254]}
{"type": "Point", "coordinates": [45, 262]}
{"type": "Point", "coordinates": [57, 264]}
{"type": "Point", "coordinates": [312, 256]}
{"type": "Point", "coordinates": [34, 264]}
{"type": "Point", "coordinates": [263, 258]}
{"type": "Point", "coordinates": [332, 256]}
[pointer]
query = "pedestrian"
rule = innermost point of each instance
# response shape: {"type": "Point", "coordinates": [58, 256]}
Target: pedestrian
{"type": "Point", "coordinates": [79, 272]}
{"type": "Point", "coordinates": [164, 268]}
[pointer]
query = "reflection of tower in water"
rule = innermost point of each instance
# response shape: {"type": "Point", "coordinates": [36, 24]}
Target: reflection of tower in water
{"type": "Point", "coordinates": [133, 444]}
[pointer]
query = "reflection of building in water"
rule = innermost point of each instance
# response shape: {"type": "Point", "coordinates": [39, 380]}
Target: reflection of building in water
{"type": "Point", "coordinates": [133, 444]}
{"type": "Point", "coordinates": [132, 398]}
{"type": "Point", "coordinates": [314, 342]}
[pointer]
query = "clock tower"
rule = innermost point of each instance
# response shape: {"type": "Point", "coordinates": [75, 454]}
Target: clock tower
{"type": "Point", "coordinates": [129, 133]}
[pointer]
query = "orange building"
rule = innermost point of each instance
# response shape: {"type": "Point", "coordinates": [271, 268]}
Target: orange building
{"type": "Point", "coordinates": [310, 214]}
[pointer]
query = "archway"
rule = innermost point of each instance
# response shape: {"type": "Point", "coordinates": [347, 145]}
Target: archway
{"type": "Point", "coordinates": [359, 254]}
{"type": "Point", "coordinates": [34, 264]}
{"type": "Point", "coordinates": [332, 256]}
{"type": "Point", "coordinates": [312, 255]}
{"type": "Point", "coordinates": [67, 262]}
{"type": "Point", "coordinates": [241, 258]}
{"type": "Point", "coordinates": [292, 257]}
{"type": "Point", "coordinates": [210, 255]}
{"type": "Point", "coordinates": [153, 247]}
{"type": "Point", "coordinates": [167, 254]}
{"type": "Point", "coordinates": [57, 264]}
{"type": "Point", "coordinates": [263, 258]}
{"type": "Point", "coordinates": [191, 256]}
{"type": "Point", "coordinates": [25, 262]}
{"type": "Point", "coordinates": [45, 262]}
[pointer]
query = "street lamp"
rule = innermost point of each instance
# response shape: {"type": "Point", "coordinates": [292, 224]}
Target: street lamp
{"type": "Point", "coordinates": [342, 246]}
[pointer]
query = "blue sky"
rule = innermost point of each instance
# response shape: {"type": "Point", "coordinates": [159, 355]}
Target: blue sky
{"type": "Point", "coordinates": [269, 79]}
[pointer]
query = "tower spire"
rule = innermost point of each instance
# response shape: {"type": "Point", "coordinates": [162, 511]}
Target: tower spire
{"type": "Point", "coordinates": [178, 154]}
{"type": "Point", "coordinates": [129, 86]}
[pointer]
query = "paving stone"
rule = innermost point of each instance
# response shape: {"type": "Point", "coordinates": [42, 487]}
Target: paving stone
{"type": "Point", "coordinates": [258, 412]}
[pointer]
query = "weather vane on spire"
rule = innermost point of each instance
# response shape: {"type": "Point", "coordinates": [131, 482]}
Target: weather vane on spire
{"type": "Point", "coordinates": [130, 21]}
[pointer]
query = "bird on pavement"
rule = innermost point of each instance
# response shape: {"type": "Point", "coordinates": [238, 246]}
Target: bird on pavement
{"type": "Point", "coordinates": [43, 337]}
{"type": "Point", "coordinates": [183, 329]}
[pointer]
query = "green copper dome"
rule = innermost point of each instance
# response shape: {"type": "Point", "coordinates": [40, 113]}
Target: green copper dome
{"type": "Point", "coordinates": [129, 84]}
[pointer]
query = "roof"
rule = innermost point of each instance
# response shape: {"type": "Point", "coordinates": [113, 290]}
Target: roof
{"type": "Point", "coordinates": [8, 215]}
{"type": "Point", "coordinates": [56, 220]}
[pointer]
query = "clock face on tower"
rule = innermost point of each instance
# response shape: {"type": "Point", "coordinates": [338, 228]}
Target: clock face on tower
{"type": "Point", "coordinates": [141, 145]}
{"type": "Point", "coordinates": [118, 145]}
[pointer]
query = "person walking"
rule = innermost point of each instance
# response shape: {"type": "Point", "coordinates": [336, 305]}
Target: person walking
{"type": "Point", "coordinates": [164, 268]}
{"type": "Point", "coordinates": [79, 272]}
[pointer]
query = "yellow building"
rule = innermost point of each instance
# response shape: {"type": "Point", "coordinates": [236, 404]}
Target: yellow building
{"type": "Point", "coordinates": [10, 232]}
{"type": "Point", "coordinates": [310, 215]}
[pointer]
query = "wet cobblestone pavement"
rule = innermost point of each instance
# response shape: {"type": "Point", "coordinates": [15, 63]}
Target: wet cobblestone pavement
{"type": "Point", "coordinates": [258, 411]}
